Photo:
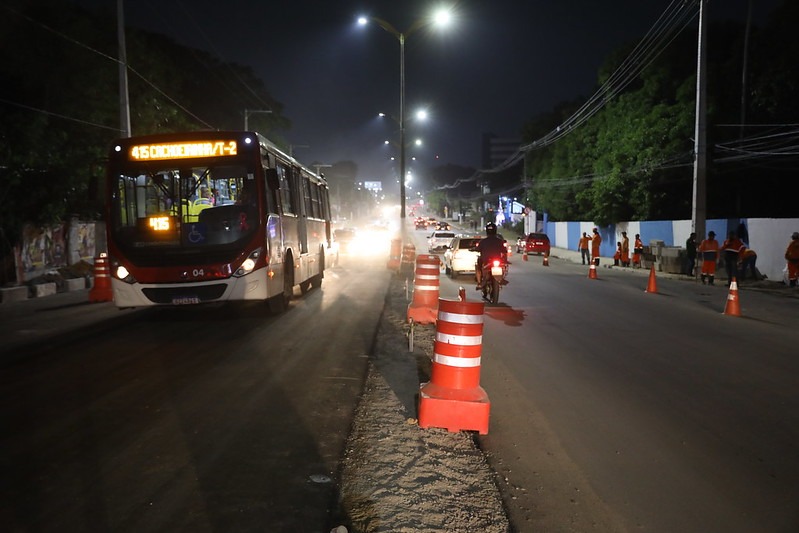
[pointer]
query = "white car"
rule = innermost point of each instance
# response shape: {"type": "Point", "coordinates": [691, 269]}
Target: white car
{"type": "Point", "coordinates": [438, 240]}
{"type": "Point", "coordinates": [459, 257]}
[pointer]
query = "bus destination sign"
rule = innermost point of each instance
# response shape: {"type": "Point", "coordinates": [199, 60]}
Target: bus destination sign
{"type": "Point", "coordinates": [183, 150]}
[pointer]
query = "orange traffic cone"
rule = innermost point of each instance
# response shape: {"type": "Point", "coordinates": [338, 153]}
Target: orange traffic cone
{"type": "Point", "coordinates": [546, 260]}
{"type": "Point", "coordinates": [524, 256]}
{"type": "Point", "coordinates": [101, 291]}
{"type": "Point", "coordinates": [592, 271]}
{"type": "Point", "coordinates": [462, 294]}
{"type": "Point", "coordinates": [453, 398]}
{"type": "Point", "coordinates": [653, 285]}
{"type": "Point", "coordinates": [733, 305]}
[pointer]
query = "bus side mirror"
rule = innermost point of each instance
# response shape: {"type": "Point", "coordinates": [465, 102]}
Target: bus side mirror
{"type": "Point", "coordinates": [271, 179]}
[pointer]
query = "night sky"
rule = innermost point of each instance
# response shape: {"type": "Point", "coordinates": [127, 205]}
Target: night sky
{"type": "Point", "coordinates": [496, 65]}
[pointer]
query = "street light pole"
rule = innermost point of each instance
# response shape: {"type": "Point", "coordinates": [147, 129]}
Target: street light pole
{"type": "Point", "coordinates": [442, 17]}
{"type": "Point", "coordinates": [402, 127]}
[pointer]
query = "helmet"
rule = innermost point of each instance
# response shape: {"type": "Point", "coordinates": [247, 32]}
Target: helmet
{"type": "Point", "coordinates": [795, 235]}
{"type": "Point", "coordinates": [491, 228]}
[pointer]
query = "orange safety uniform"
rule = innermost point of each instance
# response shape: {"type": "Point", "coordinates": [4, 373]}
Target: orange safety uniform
{"type": "Point", "coordinates": [625, 251]}
{"type": "Point", "coordinates": [596, 240]}
{"type": "Point", "coordinates": [709, 252]}
{"type": "Point", "coordinates": [792, 256]}
{"type": "Point", "coordinates": [638, 249]}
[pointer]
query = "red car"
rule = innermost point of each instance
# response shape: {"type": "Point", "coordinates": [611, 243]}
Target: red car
{"type": "Point", "coordinates": [534, 243]}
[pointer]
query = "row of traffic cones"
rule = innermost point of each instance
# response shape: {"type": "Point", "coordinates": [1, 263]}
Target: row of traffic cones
{"type": "Point", "coordinates": [731, 308]}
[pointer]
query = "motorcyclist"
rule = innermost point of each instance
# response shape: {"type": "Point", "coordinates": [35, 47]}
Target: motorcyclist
{"type": "Point", "coordinates": [492, 247]}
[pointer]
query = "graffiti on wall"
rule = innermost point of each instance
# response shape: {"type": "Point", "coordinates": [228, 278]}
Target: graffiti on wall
{"type": "Point", "coordinates": [51, 247]}
{"type": "Point", "coordinates": [43, 248]}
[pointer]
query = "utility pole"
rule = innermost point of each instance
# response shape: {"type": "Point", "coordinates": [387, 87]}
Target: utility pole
{"type": "Point", "coordinates": [699, 204]}
{"type": "Point", "coordinates": [248, 112]}
{"type": "Point", "coordinates": [124, 102]}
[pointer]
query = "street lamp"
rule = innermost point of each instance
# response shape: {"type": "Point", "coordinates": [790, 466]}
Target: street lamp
{"type": "Point", "coordinates": [440, 18]}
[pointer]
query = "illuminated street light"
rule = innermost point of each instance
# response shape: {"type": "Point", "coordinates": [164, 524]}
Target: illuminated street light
{"type": "Point", "coordinates": [441, 17]}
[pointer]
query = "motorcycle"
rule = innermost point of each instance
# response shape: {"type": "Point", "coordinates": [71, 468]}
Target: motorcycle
{"type": "Point", "coordinates": [494, 274]}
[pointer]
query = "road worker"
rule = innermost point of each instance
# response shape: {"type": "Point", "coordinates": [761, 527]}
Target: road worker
{"type": "Point", "coordinates": [748, 259]}
{"type": "Point", "coordinates": [596, 240]}
{"type": "Point", "coordinates": [638, 251]}
{"type": "Point", "coordinates": [792, 256]}
{"type": "Point", "coordinates": [583, 247]}
{"type": "Point", "coordinates": [732, 249]}
{"type": "Point", "coordinates": [625, 249]}
{"type": "Point", "coordinates": [709, 251]}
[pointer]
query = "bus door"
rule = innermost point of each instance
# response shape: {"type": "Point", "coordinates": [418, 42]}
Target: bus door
{"type": "Point", "coordinates": [304, 208]}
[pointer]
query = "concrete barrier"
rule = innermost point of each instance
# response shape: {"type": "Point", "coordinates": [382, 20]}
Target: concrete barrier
{"type": "Point", "coordinates": [43, 289]}
{"type": "Point", "coordinates": [74, 284]}
{"type": "Point", "coordinates": [13, 294]}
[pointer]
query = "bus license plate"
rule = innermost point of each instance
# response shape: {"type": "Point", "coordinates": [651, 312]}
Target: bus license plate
{"type": "Point", "coordinates": [185, 300]}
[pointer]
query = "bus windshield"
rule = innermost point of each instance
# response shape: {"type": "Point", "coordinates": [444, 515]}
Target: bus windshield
{"type": "Point", "coordinates": [196, 206]}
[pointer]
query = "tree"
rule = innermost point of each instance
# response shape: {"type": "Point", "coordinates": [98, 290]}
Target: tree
{"type": "Point", "coordinates": [60, 105]}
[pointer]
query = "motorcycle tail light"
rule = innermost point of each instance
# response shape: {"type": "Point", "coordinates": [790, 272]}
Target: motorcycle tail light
{"type": "Point", "coordinates": [496, 263]}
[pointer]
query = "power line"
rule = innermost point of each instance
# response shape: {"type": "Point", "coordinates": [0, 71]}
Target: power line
{"type": "Point", "coordinates": [106, 56]}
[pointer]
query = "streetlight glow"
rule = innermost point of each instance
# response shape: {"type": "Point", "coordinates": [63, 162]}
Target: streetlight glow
{"type": "Point", "coordinates": [442, 17]}
{"type": "Point", "coordinates": [439, 18]}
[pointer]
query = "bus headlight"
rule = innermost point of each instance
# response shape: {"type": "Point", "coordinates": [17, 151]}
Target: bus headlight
{"type": "Point", "coordinates": [122, 273]}
{"type": "Point", "coordinates": [249, 264]}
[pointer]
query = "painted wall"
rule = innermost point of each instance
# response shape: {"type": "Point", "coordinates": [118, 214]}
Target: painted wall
{"type": "Point", "coordinates": [50, 247]}
{"type": "Point", "coordinates": [768, 237]}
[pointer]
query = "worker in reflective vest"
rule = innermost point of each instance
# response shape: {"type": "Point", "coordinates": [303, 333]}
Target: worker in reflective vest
{"type": "Point", "coordinates": [792, 257]}
{"type": "Point", "coordinates": [638, 251]}
{"type": "Point", "coordinates": [596, 241]}
{"type": "Point", "coordinates": [732, 249]}
{"type": "Point", "coordinates": [709, 251]}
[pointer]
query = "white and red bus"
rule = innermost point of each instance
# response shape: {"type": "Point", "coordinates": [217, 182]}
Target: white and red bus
{"type": "Point", "coordinates": [213, 216]}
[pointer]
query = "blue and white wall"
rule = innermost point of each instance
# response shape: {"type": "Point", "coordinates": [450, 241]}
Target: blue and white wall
{"type": "Point", "coordinates": [768, 237]}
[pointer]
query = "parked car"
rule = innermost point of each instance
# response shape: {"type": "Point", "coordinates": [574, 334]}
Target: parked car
{"type": "Point", "coordinates": [534, 243]}
{"type": "Point", "coordinates": [459, 257]}
{"type": "Point", "coordinates": [438, 240]}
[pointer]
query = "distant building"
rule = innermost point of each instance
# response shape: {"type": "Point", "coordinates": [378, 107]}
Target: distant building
{"type": "Point", "coordinates": [496, 150]}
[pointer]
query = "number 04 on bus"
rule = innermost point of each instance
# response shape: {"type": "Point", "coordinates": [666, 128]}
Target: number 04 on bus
{"type": "Point", "coordinates": [206, 217]}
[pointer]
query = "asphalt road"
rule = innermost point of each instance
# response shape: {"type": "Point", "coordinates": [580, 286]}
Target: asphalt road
{"type": "Point", "coordinates": [197, 419]}
{"type": "Point", "coordinates": [614, 409]}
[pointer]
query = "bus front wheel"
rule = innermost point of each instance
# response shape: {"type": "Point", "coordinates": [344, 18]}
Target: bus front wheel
{"type": "Point", "coordinates": [278, 304]}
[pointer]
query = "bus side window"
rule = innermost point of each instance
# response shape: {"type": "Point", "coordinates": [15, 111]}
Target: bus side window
{"type": "Point", "coordinates": [272, 189]}
{"type": "Point", "coordinates": [284, 177]}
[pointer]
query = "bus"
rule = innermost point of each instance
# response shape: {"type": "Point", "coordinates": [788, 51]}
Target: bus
{"type": "Point", "coordinates": [213, 216]}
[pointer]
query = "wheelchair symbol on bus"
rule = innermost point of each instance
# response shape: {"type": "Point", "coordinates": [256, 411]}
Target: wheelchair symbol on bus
{"type": "Point", "coordinates": [197, 233]}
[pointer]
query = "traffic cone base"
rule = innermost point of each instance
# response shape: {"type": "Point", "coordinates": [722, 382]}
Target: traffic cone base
{"type": "Point", "coordinates": [453, 398]}
{"type": "Point", "coordinates": [454, 410]}
{"type": "Point", "coordinates": [733, 305]}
